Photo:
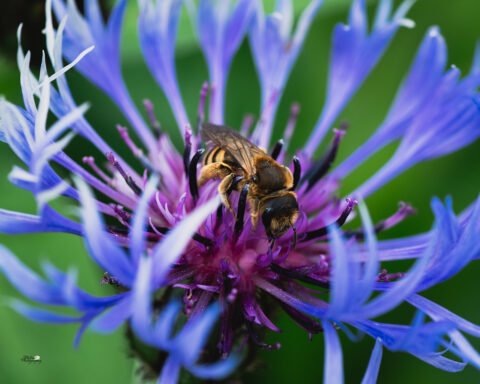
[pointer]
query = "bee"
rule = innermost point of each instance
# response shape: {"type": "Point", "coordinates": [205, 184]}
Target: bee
{"type": "Point", "coordinates": [239, 163]}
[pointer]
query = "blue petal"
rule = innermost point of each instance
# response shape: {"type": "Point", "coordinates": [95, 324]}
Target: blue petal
{"type": "Point", "coordinates": [192, 338]}
{"type": "Point", "coordinates": [456, 246]}
{"type": "Point", "coordinates": [422, 80]}
{"type": "Point", "coordinates": [237, 26]}
{"type": "Point", "coordinates": [86, 320]}
{"type": "Point", "coordinates": [371, 375]}
{"type": "Point", "coordinates": [275, 52]}
{"type": "Point", "coordinates": [448, 121]}
{"type": "Point", "coordinates": [18, 128]}
{"type": "Point", "coordinates": [157, 31]}
{"type": "Point", "coordinates": [164, 326]}
{"type": "Point", "coordinates": [438, 312]}
{"type": "Point", "coordinates": [220, 32]}
{"type": "Point", "coordinates": [114, 317]}
{"type": "Point", "coordinates": [15, 223]}
{"type": "Point", "coordinates": [443, 363]}
{"type": "Point", "coordinates": [367, 281]}
{"type": "Point", "coordinates": [414, 246]}
{"type": "Point", "coordinates": [94, 17]}
{"type": "Point", "coordinates": [216, 371]}
{"type": "Point", "coordinates": [138, 233]}
{"type": "Point", "coordinates": [283, 8]}
{"type": "Point", "coordinates": [102, 248]}
{"type": "Point", "coordinates": [61, 102]}
{"type": "Point", "coordinates": [465, 349]}
{"type": "Point", "coordinates": [341, 280]}
{"type": "Point", "coordinates": [42, 315]}
{"type": "Point", "coordinates": [74, 296]}
{"type": "Point", "coordinates": [354, 54]}
{"type": "Point", "coordinates": [303, 25]}
{"type": "Point", "coordinates": [333, 366]}
{"type": "Point", "coordinates": [170, 371]}
{"type": "Point", "coordinates": [102, 66]}
{"type": "Point", "coordinates": [83, 301]}
{"type": "Point", "coordinates": [142, 307]}
{"type": "Point", "coordinates": [27, 282]}
{"type": "Point", "coordinates": [398, 292]}
{"type": "Point", "coordinates": [114, 29]}
{"type": "Point", "coordinates": [417, 339]}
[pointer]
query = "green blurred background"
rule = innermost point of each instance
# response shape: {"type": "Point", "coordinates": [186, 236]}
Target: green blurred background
{"type": "Point", "coordinates": [103, 358]}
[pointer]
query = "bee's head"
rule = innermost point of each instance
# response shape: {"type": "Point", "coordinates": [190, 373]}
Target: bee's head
{"type": "Point", "coordinates": [279, 214]}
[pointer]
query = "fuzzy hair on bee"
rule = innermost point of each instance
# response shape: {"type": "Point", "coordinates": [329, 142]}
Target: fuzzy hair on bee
{"type": "Point", "coordinates": [240, 165]}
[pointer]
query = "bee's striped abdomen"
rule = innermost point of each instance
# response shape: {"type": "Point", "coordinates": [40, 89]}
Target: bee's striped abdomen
{"type": "Point", "coordinates": [214, 155]}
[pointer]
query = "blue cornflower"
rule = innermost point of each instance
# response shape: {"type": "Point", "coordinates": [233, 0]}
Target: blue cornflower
{"type": "Point", "coordinates": [156, 233]}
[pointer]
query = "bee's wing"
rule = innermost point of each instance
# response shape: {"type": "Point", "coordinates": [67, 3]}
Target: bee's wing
{"type": "Point", "coordinates": [242, 150]}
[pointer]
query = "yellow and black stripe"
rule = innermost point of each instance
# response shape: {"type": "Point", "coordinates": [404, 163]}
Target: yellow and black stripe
{"type": "Point", "coordinates": [214, 155]}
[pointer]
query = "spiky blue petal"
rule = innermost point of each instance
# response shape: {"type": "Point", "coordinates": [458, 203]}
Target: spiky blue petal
{"type": "Point", "coordinates": [371, 375]}
{"type": "Point", "coordinates": [221, 29]}
{"type": "Point", "coordinates": [333, 367]}
{"type": "Point", "coordinates": [102, 248]}
{"type": "Point", "coordinates": [275, 49]}
{"type": "Point", "coordinates": [15, 223]}
{"type": "Point", "coordinates": [102, 66]}
{"type": "Point", "coordinates": [157, 31]}
{"type": "Point", "coordinates": [355, 52]}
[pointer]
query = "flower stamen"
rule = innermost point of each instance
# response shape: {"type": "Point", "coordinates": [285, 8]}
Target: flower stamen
{"type": "Point", "coordinates": [192, 174]}
{"type": "Point", "coordinates": [297, 172]}
{"type": "Point", "coordinates": [155, 124]}
{"type": "Point", "coordinates": [291, 123]}
{"type": "Point", "coordinates": [201, 105]}
{"type": "Point", "coordinates": [187, 150]}
{"type": "Point", "coordinates": [256, 339]}
{"type": "Point", "coordinates": [246, 125]}
{"type": "Point", "coordinates": [130, 144]}
{"type": "Point", "coordinates": [128, 179]}
{"type": "Point", "coordinates": [90, 160]}
{"type": "Point", "coordinates": [311, 326]}
{"type": "Point", "coordinates": [298, 275]}
{"type": "Point", "coordinates": [321, 232]}
{"type": "Point", "coordinates": [122, 216]}
{"type": "Point", "coordinates": [322, 166]}
{"type": "Point", "coordinates": [277, 149]}
{"type": "Point", "coordinates": [402, 213]}
{"type": "Point", "coordinates": [386, 277]}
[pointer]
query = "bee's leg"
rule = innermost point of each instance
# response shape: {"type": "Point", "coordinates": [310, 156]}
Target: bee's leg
{"type": "Point", "coordinates": [255, 205]}
{"type": "Point", "coordinates": [213, 170]}
{"type": "Point", "coordinates": [242, 202]}
{"type": "Point", "coordinates": [223, 190]}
